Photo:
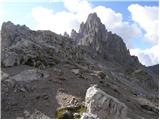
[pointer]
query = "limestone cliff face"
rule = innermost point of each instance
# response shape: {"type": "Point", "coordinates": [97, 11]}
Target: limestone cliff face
{"type": "Point", "coordinates": [94, 35]}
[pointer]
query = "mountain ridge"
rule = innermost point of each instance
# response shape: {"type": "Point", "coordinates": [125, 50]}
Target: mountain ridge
{"type": "Point", "coordinates": [43, 71]}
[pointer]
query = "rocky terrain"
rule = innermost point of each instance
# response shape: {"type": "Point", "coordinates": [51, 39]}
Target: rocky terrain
{"type": "Point", "coordinates": [86, 74]}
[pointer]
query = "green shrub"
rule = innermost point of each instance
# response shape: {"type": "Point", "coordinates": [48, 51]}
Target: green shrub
{"type": "Point", "coordinates": [72, 109]}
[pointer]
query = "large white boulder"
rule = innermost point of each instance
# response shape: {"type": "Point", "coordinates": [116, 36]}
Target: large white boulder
{"type": "Point", "coordinates": [104, 105]}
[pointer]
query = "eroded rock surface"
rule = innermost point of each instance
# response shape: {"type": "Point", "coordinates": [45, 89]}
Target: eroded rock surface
{"type": "Point", "coordinates": [104, 105]}
{"type": "Point", "coordinates": [43, 71]}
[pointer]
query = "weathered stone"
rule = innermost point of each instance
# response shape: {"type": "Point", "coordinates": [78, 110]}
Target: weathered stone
{"type": "Point", "coordinates": [92, 48]}
{"type": "Point", "coordinates": [4, 75]}
{"type": "Point", "coordinates": [76, 115]}
{"type": "Point", "coordinates": [89, 116]}
{"type": "Point", "coordinates": [66, 34]}
{"type": "Point", "coordinates": [20, 45]}
{"type": "Point", "coordinates": [10, 59]}
{"type": "Point", "coordinates": [104, 105]}
{"type": "Point", "coordinates": [101, 74]}
{"type": "Point", "coordinates": [75, 71]}
{"type": "Point", "coordinates": [94, 35]}
{"type": "Point", "coordinates": [26, 114]}
{"type": "Point", "coordinates": [30, 75]}
{"type": "Point", "coordinates": [38, 115]}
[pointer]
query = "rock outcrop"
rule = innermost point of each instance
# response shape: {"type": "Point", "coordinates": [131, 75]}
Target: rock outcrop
{"type": "Point", "coordinates": [154, 68]}
{"type": "Point", "coordinates": [89, 116]}
{"type": "Point", "coordinates": [94, 35]}
{"type": "Point", "coordinates": [43, 71]}
{"type": "Point", "coordinates": [20, 45]}
{"type": "Point", "coordinates": [104, 105]}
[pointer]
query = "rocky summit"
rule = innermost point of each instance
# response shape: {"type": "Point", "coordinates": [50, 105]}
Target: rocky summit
{"type": "Point", "coordinates": [89, 74]}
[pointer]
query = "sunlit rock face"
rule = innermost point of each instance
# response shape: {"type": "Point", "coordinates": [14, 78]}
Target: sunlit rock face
{"type": "Point", "coordinates": [94, 35]}
{"type": "Point", "coordinates": [103, 105]}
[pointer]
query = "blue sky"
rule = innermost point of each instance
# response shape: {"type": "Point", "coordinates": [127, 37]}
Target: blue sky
{"type": "Point", "coordinates": [22, 13]}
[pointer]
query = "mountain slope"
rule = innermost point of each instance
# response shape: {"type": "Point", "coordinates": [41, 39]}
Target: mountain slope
{"type": "Point", "coordinates": [43, 71]}
{"type": "Point", "coordinates": [154, 68]}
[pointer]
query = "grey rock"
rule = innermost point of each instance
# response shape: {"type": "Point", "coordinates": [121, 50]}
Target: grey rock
{"type": "Point", "coordinates": [10, 59]}
{"type": "Point", "coordinates": [38, 115]}
{"type": "Point", "coordinates": [154, 68]}
{"type": "Point", "coordinates": [35, 48]}
{"type": "Point", "coordinates": [11, 33]}
{"type": "Point", "coordinates": [4, 75]}
{"type": "Point", "coordinates": [26, 114]}
{"type": "Point", "coordinates": [75, 71]}
{"type": "Point", "coordinates": [94, 35]}
{"type": "Point", "coordinates": [89, 116]}
{"type": "Point", "coordinates": [76, 115]}
{"type": "Point", "coordinates": [10, 82]}
{"type": "Point", "coordinates": [66, 34]}
{"type": "Point", "coordinates": [39, 65]}
{"type": "Point", "coordinates": [30, 75]}
{"type": "Point", "coordinates": [104, 105]}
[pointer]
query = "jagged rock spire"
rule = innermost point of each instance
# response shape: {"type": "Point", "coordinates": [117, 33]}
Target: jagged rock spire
{"type": "Point", "coordinates": [93, 34]}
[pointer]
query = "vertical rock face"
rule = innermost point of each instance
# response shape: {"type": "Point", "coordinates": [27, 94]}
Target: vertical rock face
{"type": "Point", "coordinates": [94, 35]}
{"type": "Point", "coordinates": [104, 105]}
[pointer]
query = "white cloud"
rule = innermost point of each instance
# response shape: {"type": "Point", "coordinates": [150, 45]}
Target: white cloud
{"type": "Point", "coordinates": [57, 22]}
{"type": "Point", "coordinates": [147, 18]}
{"type": "Point", "coordinates": [114, 22]}
{"type": "Point", "coordinates": [77, 11]}
{"type": "Point", "coordinates": [77, 6]}
{"type": "Point", "coordinates": [147, 56]}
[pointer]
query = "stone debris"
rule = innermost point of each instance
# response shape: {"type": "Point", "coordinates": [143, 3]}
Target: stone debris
{"type": "Point", "coordinates": [42, 71]}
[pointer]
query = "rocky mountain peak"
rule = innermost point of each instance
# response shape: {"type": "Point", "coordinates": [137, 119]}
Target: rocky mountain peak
{"type": "Point", "coordinates": [93, 20]}
{"type": "Point", "coordinates": [93, 17]}
{"type": "Point", "coordinates": [96, 37]}
{"type": "Point", "coordinates": [92, 24]}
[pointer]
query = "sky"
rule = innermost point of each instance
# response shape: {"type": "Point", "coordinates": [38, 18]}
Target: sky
{"type": "Point", "coordinates": [135, 21]}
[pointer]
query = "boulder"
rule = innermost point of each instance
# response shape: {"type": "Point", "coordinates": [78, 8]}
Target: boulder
{"type": "Point", "coordinates": [76, 115]}
{"type": "Point", "coordinates": [4, 75]}
{"type": "Point", "coordinates": [30, 75]}
{"type": "Point", "coordinates": [88, 116]}
{"type": "Point", "coordinates": [101, 74]}
{"type": "Point", "coordinates": [75, 71]}
{"type": "Point", "coordinates": [10, 59]}
{"type": "Point", "coordinates": [103, 105]}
